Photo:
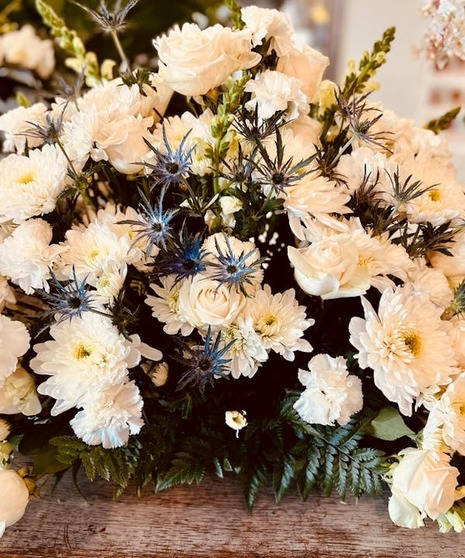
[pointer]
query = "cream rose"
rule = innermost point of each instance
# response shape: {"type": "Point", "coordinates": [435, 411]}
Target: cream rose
{"type": "Point", "coordinates": [193, 61]}
{"type": "Point", "coordinates": [423, 484]}
{"type": "Point", "coordinates": [308, 65]}
{"type": "Point", "coordinates": [15, 497]}
{"type": "Point", "coordinates": [204, 302]}
{"type": "Point", "coordinates": [329, 268]}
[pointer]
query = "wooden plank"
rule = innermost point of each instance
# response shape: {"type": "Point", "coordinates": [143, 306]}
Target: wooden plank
{"type": "Point", "coordinates": [209, 520]}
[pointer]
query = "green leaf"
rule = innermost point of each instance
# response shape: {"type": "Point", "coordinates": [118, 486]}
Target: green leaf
{"type": "Point", "coordinates": [389, 425]}
{"type": "Point", "coordinates": [443, 122]}
{"type": "Point", "coordinates": [283, 475]}
{"type": "Point", "coordinates": [185, 469]}
{"type": "Point", "coordinates": [46, 461]}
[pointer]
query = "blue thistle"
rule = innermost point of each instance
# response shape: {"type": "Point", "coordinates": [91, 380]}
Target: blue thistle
{"type": "Point", "coordinates": [154, 224]}
{"type": "Point", "coordinates": [203, 362]}
{"type": "Point", "coordinates": [279, 173]}
{"type": "Point", "coordinates": [170, 168]}
{"type": "Point", "coordinates": [184, 258]}
{"type": "Point", "coordinates": [232, 269]}
{"type": "Point", "coordinates": [69, 300]}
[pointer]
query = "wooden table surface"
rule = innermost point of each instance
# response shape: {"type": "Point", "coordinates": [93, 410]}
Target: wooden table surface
{"type": "Point", "coordinates": [209, 520]}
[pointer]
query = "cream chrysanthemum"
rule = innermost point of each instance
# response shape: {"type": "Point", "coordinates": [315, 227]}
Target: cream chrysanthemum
{"type": "Point", "coordinates": [17, 126]}
{"type": "Point", "coordinates": [247, 350]}
{"type": "Point", "coordinates": [165, 306]}
{"type": "Point", "coordinates": [331, 393]}
{"type": "Point", "coordinates": [30, 186]}
{"type": "Point", "coordinates": [14, 342]}
{"type": "Point", "coordinates": [108, 417]}
{"type": "Point", "coordinates": [27, 256]}
{"type": "Point", "coordinates": [406, 344]}
{"type": "Point", "coordinates": [279, 321]}
{"type": "Point", "coordinates": [84, 355]}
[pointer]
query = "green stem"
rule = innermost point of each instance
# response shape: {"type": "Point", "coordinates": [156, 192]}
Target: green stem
{"type": "Point", "coordinates": [122, 54]}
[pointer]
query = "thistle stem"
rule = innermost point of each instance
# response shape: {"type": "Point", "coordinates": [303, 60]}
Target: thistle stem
{"type": "Point", "coordinates": [119, 48]}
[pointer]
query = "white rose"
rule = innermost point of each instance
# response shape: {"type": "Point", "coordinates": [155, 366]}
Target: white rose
{"type": "Point", "coordinates": [424, 484]}
{"type": "Point", "coordinates": [19, 394]}
{"type": "Point", "coordinates": [307, 65]}
{"type": "Point", "coordinates": [204, 302]}
{"type": "Point", "coordinates": [14, 342]}
{"type": "Point", "coordinates": [328, 268]}
{"type": "Point", "coordinates": [193, 61]}
{"type": "Point", "coordinates": [15, 497]}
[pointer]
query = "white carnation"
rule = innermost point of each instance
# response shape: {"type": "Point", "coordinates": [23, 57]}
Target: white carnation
{"type": "Point", "coordinates": [331, 394]}
{"type": "Point", "coordinates": [16, 124]}
{"type": "Point", "coordinates": [272, 25]}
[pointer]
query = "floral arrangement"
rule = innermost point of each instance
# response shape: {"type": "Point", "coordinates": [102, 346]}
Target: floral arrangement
{"type": "Point", "coordinates": [229, 265]}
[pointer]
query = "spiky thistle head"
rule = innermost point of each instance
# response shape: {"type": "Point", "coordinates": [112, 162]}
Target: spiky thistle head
{"type": "Point", "coordinates": [172, 167]}
{"type": "Point", "coordinates": [68, 299]}
{"type": "Point", "coordinates": [236, 270]}
{"type": "Point", "coordinates": [110, 21]}
{"type": "Point", "coordinates": [203, 363]}
{"type": "Point", "coordinates": [184, 257]}
{"type": "Point", "coordinates": [154, 224]}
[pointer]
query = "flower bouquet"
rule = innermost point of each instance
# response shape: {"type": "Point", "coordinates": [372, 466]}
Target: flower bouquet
{"type": "Point", "coordinates": [229, 265]}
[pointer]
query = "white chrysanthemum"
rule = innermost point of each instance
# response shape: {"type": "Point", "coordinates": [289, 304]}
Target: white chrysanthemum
{"type": "Point", "coordinates": [16, 124]}
{"type": "Point", "coordinates": [447, 416]}
{"type": "Point", "coordinates": [219, 245]}
{"type": "Point", "coordinates": [83, 356]}
{"type": "Point", "coordinates": [247, 351]}
{"type": "Point", "coordinates": [331, 393]}
{"type": "Point", "coordinates": [272, 25]}
{"type": "Point", "coordinates": [14, 342]}
{"type": "Point", "coordinates": [92, 252]}
{"type": "Point", "coordinates": [19, 395]}
{"type": "Point", "coordinates": [165, 306]}
{"type": "Point", "coordinates": [313, 197]}
{"type": "Point", "coordinates": [273, 91]}
{"type": "Point", "coordinates": [78, 133]}
{"type": "Point", "coordinates": [279, 321]}
{"type": "Point", "coordinates": [407, 345]}
{"type": "Point", "coordinates": [27, 256]}
{"type": "Point", "coordinates": [443, 201]}
{"type": "Point", "coordinates": [453, 265]}
{"type": "Point", "coordinates": [25, 49]}
{"type": "Point", "coordinates": [365, 166]}
{"type": "Point", "coordinates": [30, 186]}
{"type": "Point", "coordinates": [431, 281]}
{"type": "Point", "coordinates": [109, 416]}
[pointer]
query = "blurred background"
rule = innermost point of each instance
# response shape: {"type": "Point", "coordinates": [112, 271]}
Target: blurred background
{"type": "Point", "coordinates": [342, 29]}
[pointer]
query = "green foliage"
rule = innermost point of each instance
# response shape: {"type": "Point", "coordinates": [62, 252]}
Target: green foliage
{"type": "Point", "coordinates": [443, 122]}
{"type": "Point", "coordinates": [235, 9]}
{"type": "Point", "coordinates": [185, 469]}
{"type": "Point", "coordinates": [389, 425]}
{"type": "Point", "coordinates": [332, 458]}
{"type": "Point", "coordinates": [112, 465]}
{"type": "Point", "coordinates": [356, 81]}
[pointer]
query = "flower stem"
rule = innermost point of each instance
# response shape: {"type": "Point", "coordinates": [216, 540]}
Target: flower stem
{"type": "Point", "coordinates": [119, 48]}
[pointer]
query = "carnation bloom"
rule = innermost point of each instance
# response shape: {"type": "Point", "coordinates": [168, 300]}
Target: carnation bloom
{"type": "Point", "coordinates": [27, 256]}
{"type": "Point", "coordinates": [272, 25]}
{"type": "Point", "coordinates": [279, 321]}
{"type": "Point", "coordinates": [30, 185]}
{"type": "Point", "coordinates": [14, 342]}
{"type": "Point", "coordinates": [15, 496]}
{"type": "Point", "coordinates": [109, 416]}
{"type": "Point", "coordinates": [273, 91]}
{"type": "Point", "coordinates": [406, 344]}
{"type": "Point", "coordinates": [331, 394]}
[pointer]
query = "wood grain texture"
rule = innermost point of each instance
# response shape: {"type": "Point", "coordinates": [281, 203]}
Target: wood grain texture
{"type": "Point", "coordinates": [209, 520]}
